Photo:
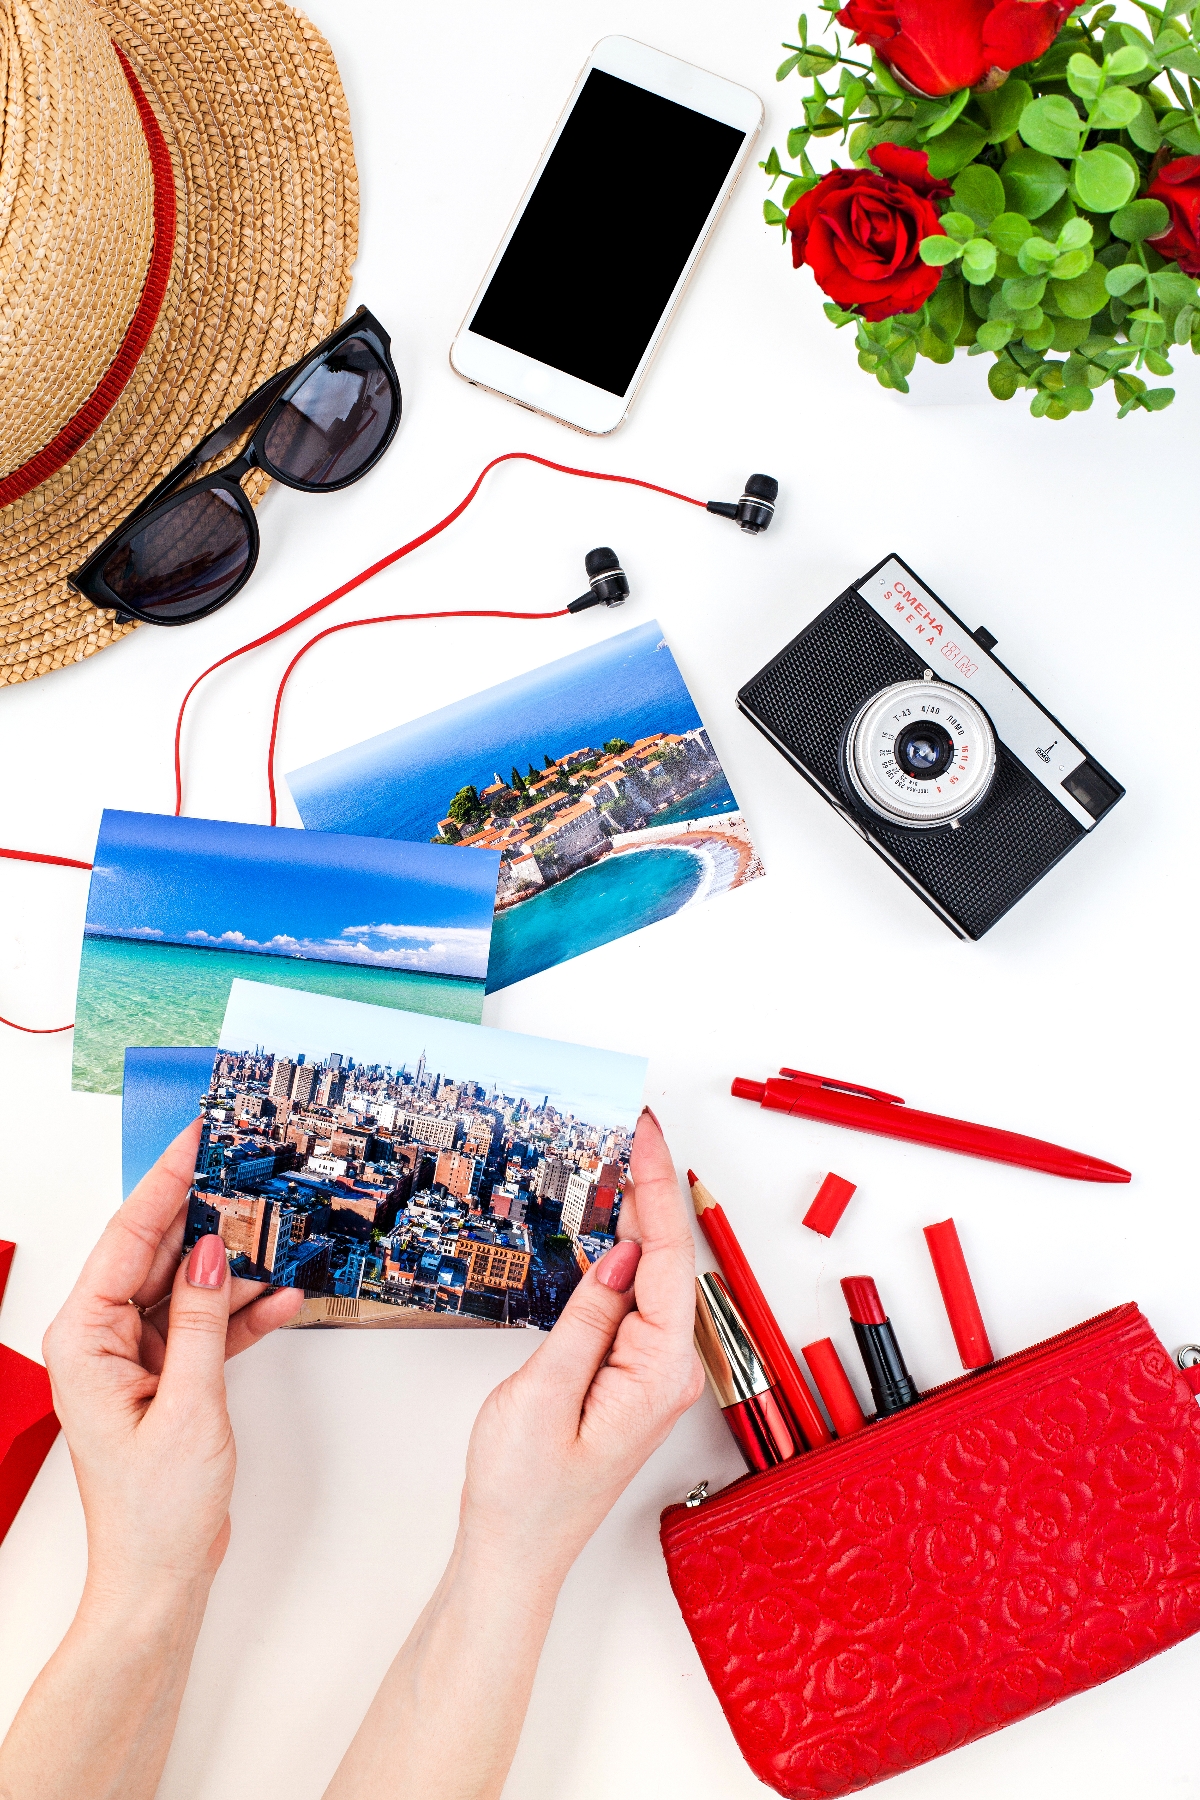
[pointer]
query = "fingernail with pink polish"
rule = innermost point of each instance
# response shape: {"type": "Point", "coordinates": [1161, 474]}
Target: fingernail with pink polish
{"type": "Point", "coordinates": [206, 1265]}
{"type": "Point", "coordinates": [647, 1113]}
{"type": "Point", "coordinates": [617, 1268]}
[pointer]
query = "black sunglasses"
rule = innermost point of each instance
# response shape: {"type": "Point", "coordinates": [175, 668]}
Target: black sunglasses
{"type": "Point", "coordinates": [324, 422]}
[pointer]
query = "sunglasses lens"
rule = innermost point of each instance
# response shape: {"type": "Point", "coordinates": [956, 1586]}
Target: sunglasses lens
{"type": "Point", "coordinates": [331, 427]}
{"type": "Point", "coordinates": [182, 561]}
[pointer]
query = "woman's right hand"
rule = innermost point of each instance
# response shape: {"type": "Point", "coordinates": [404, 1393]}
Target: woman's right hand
{"type": "Point", "coordinates": [137, 1363]}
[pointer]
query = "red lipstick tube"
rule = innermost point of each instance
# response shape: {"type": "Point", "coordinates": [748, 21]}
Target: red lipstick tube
{"type": "Point", "coordinates": [739, 1377]}
{"type": "Point", "coordinates": [833, 1385]}
{"type": "Point", "coordinates": [892, 1386]}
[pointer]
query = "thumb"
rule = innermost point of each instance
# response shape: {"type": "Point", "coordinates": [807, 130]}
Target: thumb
{"type": "Point", "coordinates": [197, 1324]}
{"type": "Point", "coordinates": [588, 1323]}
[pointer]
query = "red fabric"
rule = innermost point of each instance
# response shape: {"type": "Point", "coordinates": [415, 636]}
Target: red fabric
{"type": "Point", "coordinates": [860, 232]}
{"type": "Point", "coordinates": [1015, 1538]}
{"type": "Point", "coordinates": [6, 1255]}
{"type": "Point", "coordinates": [28, 1427]}
{"type": "Point", "coordinates": [1177, 185]}
{"type": "Point", "coordinates": [939, 46]}
{"type": "Point", "coordinates": [100, 402]}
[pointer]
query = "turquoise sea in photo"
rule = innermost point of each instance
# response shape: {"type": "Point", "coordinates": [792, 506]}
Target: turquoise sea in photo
{"type": "Point", "coordinates": [609, 899]}
{"type": "Point", "coordinates": [139, 993]}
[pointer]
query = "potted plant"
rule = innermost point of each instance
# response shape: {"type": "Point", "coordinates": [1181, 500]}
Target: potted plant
{"type": "Point", "coordinates": [1020, 181]}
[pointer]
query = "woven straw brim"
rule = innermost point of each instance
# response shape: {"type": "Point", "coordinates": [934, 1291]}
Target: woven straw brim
{"type": "Point", "coordinates": [251, 105]}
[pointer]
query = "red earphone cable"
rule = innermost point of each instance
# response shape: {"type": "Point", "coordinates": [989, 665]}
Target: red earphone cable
{"type": "Point", "coordinates": [385, 563]}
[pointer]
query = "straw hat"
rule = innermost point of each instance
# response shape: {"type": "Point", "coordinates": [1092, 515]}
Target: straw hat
{"type": "Point", "coordinates": [178, 218]}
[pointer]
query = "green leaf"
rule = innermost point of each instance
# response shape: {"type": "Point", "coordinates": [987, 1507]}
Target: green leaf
{"type": "Point", "coordinates": [772, 214]}
{"type": "Point", "coordinates": [1074, 235]}
{"type": "Point", "coordinates": [1103, 180]}
{"type": "Point", "coordinates": [797, 139]}
{"type": "Point", "coordinates": [1186, 138]}
{"type": "Point", "coordinates": [1130, 60]}
{"type": "Point", "coordinates": [885, 80]}
{"type": "Point", "coordinates": [1041, 336]}
{"type": "Point", "coordinates": [957, 225]}
{"type": "Point", "coordinates": [785, 68]}
{"type": "Point", "coordinates": [1032, 182]}
{"type": "Point", "coordinates": [995, 334]}
{"type": "Point", "coordinates": [1186, 60]}
{"type": "Point", "coordinates": [1081, 298]}
{"type": "Point", "coordinates": [1035, 256]}
{"type": "Point", "coordinates": [936, 349]}
{"type": "Point", "coordinates": [1073, 263]}
{"type": "Point", "coordinates": [1124, 278]}
{"type": "Point", "coordinates": [1002, 108]}
{"type": "Point", "coordinates": [1157, 363]}
{"type": "Point", "coordinates": [948, 114]}
{"type": "Point", "coordinates": [1069, 333]}
{"type": "Point", "coordinates": [937, 251]}
{"type": "Point", "coordinates": [1021, 295]}
{"type": "Point", "coordinates": [955, 149]}
{"type": "Point", "coordinates": [1155, 399]}
{"type": "Point", "coordinates": [1116, 108]}
{"type": "Point", "coordinates": [1184, 320]}
{"type": "Point", "coordinates": [1143, 128]}
{"type": "Point", "coordinates": [1051, 125]}
{"type": "Point", "coordinates": [1008, 231]}
{"type": "Point", "coordinates": [1039, 406]}
{"type": "Point", "coordinates": [1176, 288]}
{"type": "Point", "coordinates": [1003, 380]}
{"type": "Point", "coordinates": [945, 307]}
{"type": "Point", "coordinates": [978, 260]}
{"type": "Point", "coordinates": [979, 193]}
{"type": "Point", "coordinates": [1084, 77]}
{"type": "Point", "coordinates": [802, 184]}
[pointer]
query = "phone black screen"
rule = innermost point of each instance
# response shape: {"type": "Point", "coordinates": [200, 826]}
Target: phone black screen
{"type": "Point", "coordinates": [607, 231]}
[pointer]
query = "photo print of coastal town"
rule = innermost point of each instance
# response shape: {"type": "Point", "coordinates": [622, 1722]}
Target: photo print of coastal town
{"type": "Point", "coordinates": [406, 1170]}
{"type": "Point", "coordinates": [178, 907]}
{"type": "Point", "coordinates": [593, 777]}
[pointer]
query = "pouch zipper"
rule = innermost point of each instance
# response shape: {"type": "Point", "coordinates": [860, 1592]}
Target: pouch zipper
{"type": "Point", "coordinates": [1103, 1324]}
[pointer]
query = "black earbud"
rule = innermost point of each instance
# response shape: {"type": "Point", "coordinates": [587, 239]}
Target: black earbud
{"type": "Point", "coordinates": [756, 508]}
{"type": "Point", "coordinates": [609, 584]}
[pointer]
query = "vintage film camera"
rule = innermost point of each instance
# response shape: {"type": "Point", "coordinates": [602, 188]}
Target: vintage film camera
{"type": "Point", "coordinates": [925, 743]}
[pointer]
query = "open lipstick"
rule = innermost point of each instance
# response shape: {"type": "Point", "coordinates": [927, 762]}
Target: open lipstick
{"type": "Point", "coordinates": [892, 1386]}
{"type": "Point", "coordinates": [739, 1378]}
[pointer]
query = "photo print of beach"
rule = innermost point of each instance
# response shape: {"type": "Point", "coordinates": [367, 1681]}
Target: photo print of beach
{"type": "Point", "coordinates": [406, 1170]}
{"type": "Point", "coordinates": [593, 777]}
{"type": "Point", "coordinates": [178, 907]}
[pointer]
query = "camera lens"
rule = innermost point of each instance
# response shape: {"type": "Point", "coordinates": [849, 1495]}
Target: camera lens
{"type": "Point", "coordinates": [919, 754]}
{"type": "Point", "coordinates": [924, 751]}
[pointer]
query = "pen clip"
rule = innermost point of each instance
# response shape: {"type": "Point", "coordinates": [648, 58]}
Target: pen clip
{"type": "Point", "coordinates": [840, 1087]}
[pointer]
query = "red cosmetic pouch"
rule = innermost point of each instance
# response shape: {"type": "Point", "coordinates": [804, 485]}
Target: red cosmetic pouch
{"type": "Point", "coordinates": [1017, 1536]}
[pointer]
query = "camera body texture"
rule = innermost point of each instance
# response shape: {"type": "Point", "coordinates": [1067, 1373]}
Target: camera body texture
{"type": "Point", "coordinates": [929, 747]}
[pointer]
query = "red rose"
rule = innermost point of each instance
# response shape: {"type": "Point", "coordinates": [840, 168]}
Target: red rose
{"type": "Point", "coordinates": [860, 233]}
{"type": "Point", "coordinates": [939, 46]}
{"type": "Point", "coordinates": [1177, 185]}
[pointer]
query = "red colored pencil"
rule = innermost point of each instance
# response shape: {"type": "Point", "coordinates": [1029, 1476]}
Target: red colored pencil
{"type": "Point", "coordinates": [752, 1303]}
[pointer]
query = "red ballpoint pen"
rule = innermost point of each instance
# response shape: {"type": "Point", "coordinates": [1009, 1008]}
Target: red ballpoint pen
{"type": "Point", "coordinates": [868, 1109]}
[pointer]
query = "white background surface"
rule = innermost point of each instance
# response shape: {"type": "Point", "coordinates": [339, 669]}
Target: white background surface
{"type": "Point", "coordinates": [1074, 543]}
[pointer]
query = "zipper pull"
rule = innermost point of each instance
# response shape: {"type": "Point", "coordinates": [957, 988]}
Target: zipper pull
{"type": "Point", "coordinates": [700, 1492]}
{"type": "Point", "coordinates": [1188, 1358]}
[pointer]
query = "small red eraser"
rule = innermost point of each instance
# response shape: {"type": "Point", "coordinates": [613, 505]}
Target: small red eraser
{"type": "Point", "coordinates": [6, 1255]}
{"type": "Point", "coordinates": [833, 1197]}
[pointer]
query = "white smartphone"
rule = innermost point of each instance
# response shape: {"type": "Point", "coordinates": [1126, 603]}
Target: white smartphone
{"type": "Point", "coordinates": [608, 231]}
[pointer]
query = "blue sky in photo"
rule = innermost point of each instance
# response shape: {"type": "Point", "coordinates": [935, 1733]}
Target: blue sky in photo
{"type": "Point", "coordinates": [161, 1095]}
{"type": "Point", "coordinates": [400, 783]}
{"type": "Point", "coordinates": [276, 891]}
{"type": "Point", "coordinates": [602, 1087]}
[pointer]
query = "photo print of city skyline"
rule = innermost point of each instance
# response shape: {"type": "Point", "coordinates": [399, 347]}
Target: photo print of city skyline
{"type": "Point", "coordinates": [179, 907]}
{"type": "Point", "coordinates": [406, 1170]}
{"type": "Point", "coordinates": [593, 777]}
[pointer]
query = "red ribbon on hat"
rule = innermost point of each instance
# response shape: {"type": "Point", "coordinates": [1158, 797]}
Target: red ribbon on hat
{"type": "Point", "coordinates": [103, 397]}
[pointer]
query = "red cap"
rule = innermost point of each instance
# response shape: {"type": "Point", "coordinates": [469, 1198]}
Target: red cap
{"type": "Point", "coordinates": [954, 1279]}
{"type": "Point", "coordinates": [832, 1199]}
{"type": "Point", "coordinates": [742, 1089]}
{"type": "Point", "coordinates": [833, 1385]}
